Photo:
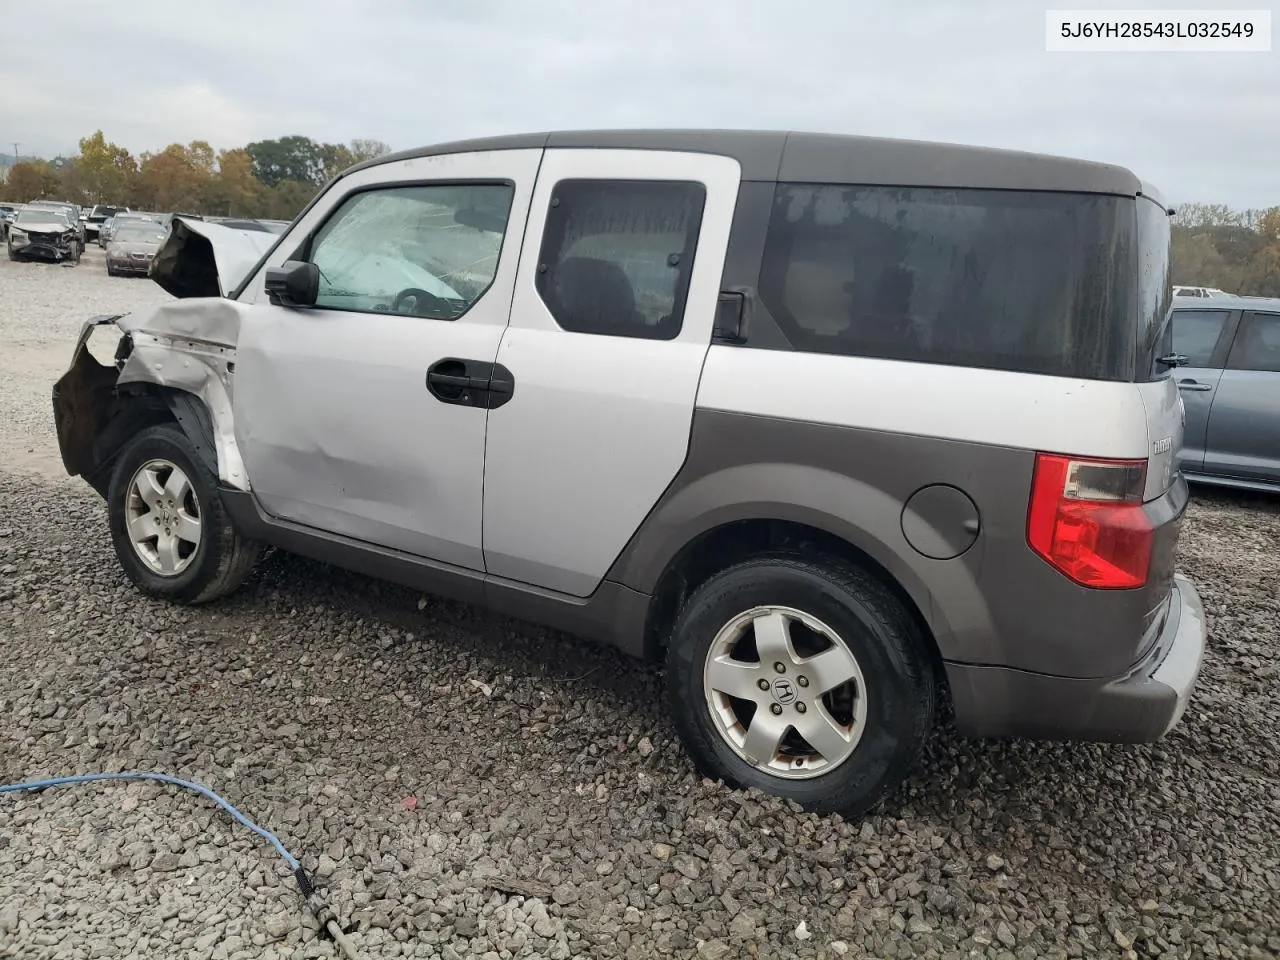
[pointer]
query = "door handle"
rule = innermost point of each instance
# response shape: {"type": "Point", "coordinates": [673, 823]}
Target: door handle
{"type": "Point", "coordinates": [1191, 385]}
{"type": "Point", "coordinates": [470, 383]}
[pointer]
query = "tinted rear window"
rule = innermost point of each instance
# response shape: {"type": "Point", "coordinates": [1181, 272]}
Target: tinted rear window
{"type": "Point", "coordinates": [1008, 280]}
{"type": "Point", "coordinates": [1155, 292]}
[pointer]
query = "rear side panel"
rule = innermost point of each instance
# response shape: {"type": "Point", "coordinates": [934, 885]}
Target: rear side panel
{"type": "Point", "coordinates": [885, 454]}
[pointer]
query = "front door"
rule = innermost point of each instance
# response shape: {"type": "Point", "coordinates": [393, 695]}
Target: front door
{"type": "Point", "coordinates": [348, 414]}
{"type": "Point", "coordinates": [610, 323]}
{"type": "Point", "coordinates": [1244, 425]}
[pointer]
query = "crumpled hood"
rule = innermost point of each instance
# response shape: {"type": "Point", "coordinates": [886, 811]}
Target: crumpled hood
{"type": "Point", "coordinates": [43, 228]}
{"type": "Point", "coordinates": [200, 259]}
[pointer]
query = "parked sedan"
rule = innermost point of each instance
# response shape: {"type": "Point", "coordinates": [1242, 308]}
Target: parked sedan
{"type": "Point", "coordinates": [1227, 350]}
{"type": "Point", "coordinates": [7, 212]}
{"type": "Point", "coordinates": [109, 225]}
{"type": "Point", "coordinates": [44, 233]}
{"type": "Point", "coordinates": [132, 246]}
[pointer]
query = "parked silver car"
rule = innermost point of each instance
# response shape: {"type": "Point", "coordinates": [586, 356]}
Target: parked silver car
{"type": "Point", "coordinates": [43, 233]}
{"type": "Point", "coordinates": [72, 211]}
{"type": "Point", "coordinates": [837, 428]}
{"type": "Point", "coordinates": [1228, 352]}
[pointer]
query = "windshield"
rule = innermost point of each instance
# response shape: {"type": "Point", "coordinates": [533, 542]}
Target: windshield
{"type": "Point", "coordinates": [137, 231]}
{"type": "Point", "coordinates": [41, 215]}
{"type": "Point", "coordinates": [103, 212]}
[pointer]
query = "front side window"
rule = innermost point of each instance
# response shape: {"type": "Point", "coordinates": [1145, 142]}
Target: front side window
{"type": "Point", "coordinates": [428, 251]}
{"type": "Point", "coordinates": [1009, 280]}
{"type": "Point", "coordinates": [617, 255]}
{"type": "Point", "coordinates": [1257, 345]}
{"type": "Point", "coordinates": [1196, 333]}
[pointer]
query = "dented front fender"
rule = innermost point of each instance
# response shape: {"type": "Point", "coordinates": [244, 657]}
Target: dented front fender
{"type": "Point", "coordinates": [167, 359]}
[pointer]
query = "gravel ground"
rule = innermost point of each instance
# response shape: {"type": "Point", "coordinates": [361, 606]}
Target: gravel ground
{"type": "Point", "coordinates": [469, 786]}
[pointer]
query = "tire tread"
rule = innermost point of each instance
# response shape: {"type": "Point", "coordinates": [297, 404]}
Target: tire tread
{"type": "Point", "coordinates": [892, 624]}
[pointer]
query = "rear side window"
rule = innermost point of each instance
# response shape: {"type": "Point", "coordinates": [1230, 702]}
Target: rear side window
{"type": "Point", "coordinates": [1257, 345]}
{"type": "Point", "coordinates": [1196, 333]}
{"type": "Point", "coordinates": [1006, 280]}
{"type": "Point", "coordinates": [617, 255]}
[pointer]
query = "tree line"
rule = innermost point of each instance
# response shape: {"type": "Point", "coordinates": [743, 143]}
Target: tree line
{"type": "Point", "coordinates": [1213, 245]}
{"type": "Point", "coordinates": [269, 179]}
{"type": "Point", "coordinates": [1234, 250]}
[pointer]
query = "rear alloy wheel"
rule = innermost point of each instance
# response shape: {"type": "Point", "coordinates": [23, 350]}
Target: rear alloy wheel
{"type": "Point", "coordinates": [170, 530]}
{"type": "Point", "coordinates": [805, 678]}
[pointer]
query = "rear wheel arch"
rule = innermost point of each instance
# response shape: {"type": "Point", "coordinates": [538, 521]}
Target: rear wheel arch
{"type": "Point", "coordinates": [727, 544]}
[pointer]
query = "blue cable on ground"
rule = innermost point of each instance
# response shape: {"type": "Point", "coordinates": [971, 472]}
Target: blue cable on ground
{"type": "Point", "coordinates": [266, 834]}
{"type": "Point", "coordinates": [323, 913]}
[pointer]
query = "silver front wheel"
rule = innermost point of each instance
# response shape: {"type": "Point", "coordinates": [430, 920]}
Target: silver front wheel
{"type": "Point", "coordinates": [785, 692]}
{"type": "Point", "coordinates": [162, 516]}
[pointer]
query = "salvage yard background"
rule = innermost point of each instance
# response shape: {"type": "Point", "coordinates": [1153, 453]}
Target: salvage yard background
{"type": "Point", "coordinates": [467, 785]}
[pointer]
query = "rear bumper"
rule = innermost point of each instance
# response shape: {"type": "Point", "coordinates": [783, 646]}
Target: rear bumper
{"type": "Point", "coordinates": [1139, 707]}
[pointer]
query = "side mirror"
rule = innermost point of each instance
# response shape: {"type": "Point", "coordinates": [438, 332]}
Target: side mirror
{"type": "Point", "coordinates": [295, 283]}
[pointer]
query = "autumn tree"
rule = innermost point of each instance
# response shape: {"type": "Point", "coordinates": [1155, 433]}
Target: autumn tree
{"type": "Point", "coordinates": [31, 180]}
{"type": "Point", "coordinates": [1236, 251]}
{"type": "Point", "coordinates": [234, 191]}
{"type": "Point", "coordinates": [177, 179]}
{"type": "Point", "coordinates": [268, 178]}
{"type": "Point", "coordinates": [103, 172]}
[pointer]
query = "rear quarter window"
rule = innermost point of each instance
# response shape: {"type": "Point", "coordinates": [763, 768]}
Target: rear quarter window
{"type": "Point", "coordinates": [1009, 280]}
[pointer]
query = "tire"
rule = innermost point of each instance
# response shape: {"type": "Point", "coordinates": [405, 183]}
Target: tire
{"type": "Point", "coordinates": [221, 558]}
{"type": "Point", "coordinates": [111, 271]}
{"type": "Point", "coordinates": [890, 657]}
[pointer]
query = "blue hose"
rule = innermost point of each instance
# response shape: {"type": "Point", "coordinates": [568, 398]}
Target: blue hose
{"type": "Point", "coordinates": [161, 778]}
{"type": "Point", "coordinates": [315, 901]}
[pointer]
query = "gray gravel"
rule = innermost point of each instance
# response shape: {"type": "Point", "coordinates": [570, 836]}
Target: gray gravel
{"type": "Point", "coordinates": [469, 786]}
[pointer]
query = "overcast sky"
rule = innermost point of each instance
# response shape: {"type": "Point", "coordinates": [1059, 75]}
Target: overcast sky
{"type": "Point", "coordinates": [1199, 126]}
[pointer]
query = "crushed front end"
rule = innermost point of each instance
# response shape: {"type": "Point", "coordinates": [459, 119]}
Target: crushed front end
{"type": "Point", "coordinates": [51, 245]}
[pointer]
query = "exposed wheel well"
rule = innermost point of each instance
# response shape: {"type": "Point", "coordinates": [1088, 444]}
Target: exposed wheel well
{"type": "Point", "coordinates": [134, 408]}
{"type": "Point", "coordinates": [732, 543]}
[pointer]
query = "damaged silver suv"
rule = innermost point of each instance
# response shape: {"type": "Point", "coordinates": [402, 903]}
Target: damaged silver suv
{"type": "Point", "coordinates": [843, 429]}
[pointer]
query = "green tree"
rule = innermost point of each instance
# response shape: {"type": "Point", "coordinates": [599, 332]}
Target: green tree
{"type": "Point", "coordinates": [295, 158]}
{"type": "Point", "coordinates": [287, 198]}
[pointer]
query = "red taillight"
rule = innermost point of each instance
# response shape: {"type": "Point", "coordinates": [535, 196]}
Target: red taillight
{"type": "Point", "coordinates": [1086, 519]}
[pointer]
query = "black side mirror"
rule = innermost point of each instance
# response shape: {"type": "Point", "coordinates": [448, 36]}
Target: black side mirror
{"type": "Point", "coordinates": [295, 283]}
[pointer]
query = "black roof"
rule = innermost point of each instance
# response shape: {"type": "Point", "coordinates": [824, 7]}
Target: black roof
{"type": "Point", "coordinates": [829, 158]}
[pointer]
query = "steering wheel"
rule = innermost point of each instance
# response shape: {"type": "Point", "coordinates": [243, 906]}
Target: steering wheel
{"type": "Point", "coordinates": [422, 303]}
